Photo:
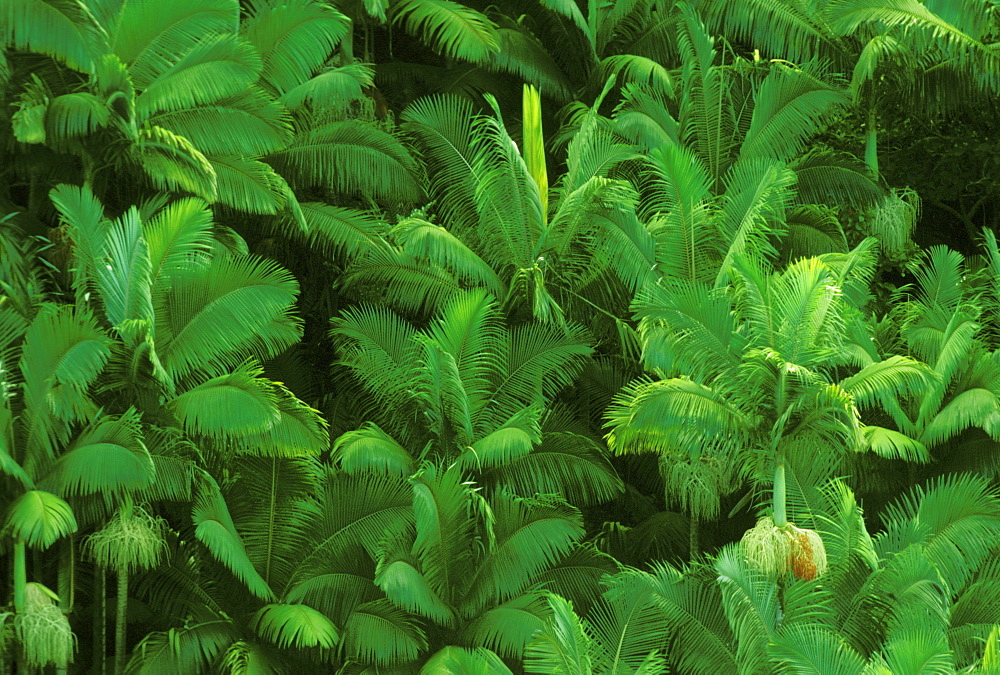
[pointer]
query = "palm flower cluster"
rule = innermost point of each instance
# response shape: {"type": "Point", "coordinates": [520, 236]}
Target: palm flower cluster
{"type": "Point", "coordinates": [43, 630]}
{"type": "Point", "coordinates": [777, 550]}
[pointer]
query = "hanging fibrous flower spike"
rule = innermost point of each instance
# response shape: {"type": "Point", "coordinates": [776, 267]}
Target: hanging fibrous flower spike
{"type": "Point", "coordinates": [778, 550]}
{"type": "Point", "coordinates": [776, 546]}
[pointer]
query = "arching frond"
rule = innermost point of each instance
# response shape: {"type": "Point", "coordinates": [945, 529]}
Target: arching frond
{"type": "Point", "coordinates": [458, 660]}
{"type": "Point", "coordinates": [331, 88]}
{"type": "Point", "coordinates": [449, 27]}
{"type": "Point", "coordinates": [217, 67]}
{"type": "Point", "coordinates": [63, 29]}
{"type": "Point", "coordinates": [370, 449]}
{"type": "Point", "coordinates": [293, 39]}
{"type": "Point", "coordinates": [108, 458]}
{"type": "Point", "coordinates": [406, 587]}
{"type": "Point", "coordinates": [39, 518]}
{"type": "Point", "coordinates": [379, 632]}
{"type": "Point", "coordinates": [190, 649]}
{"type": "Point", "coordinates": [214, 528]}
{"type": "Point", "coordinates": [225, 312]}
{"type": "Point", "coordinates": [350, 157]}
{"type": "Point", "coordinates": [298, 626]}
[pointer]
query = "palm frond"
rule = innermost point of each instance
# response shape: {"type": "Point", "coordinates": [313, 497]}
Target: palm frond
{"type": "Point", "coordinates": [177, 238]}
{"type": "Point", "coordinates": [369, 449]}
{"type": "Point", "coordinates": [694, 612]}
{"type": "Point", "coordinates": [522, 54]}
{"type": "Point", "coordinates": [248, 184]}
{"type": "Point", "coordinates": [449, 28]}
{"type": "Point", "coordinates": [423, 239]}
{"type": "Point", "coordinates": [293, 39]}
{"type": "Point", "coordinates": [565, 464]}
{"type": "Point", "coordinates": [62, 29]}
{"type": "Point", "coordinates": [331, 88]}
{"type": "Point", "coordinates": [298, 626]}
{"type": "Point", "coordinates": [171, 162]}
{"type": "Point", "coordinates": [224, 312]}
{"type": "Point", "coordinates": [39, 518]}
{"type": "Point", "coordinates": [247, 123]}
{"type": "Point", "coordinates": [229, 406]}
{"type": "Point", "coordinates": [790, 106]}
{"type": "Point", "coordinates": [458, 660]}
{"type": "Point", "coordinates": [124, 279]}
{"type": "Point", "coordinates": [530, 536]}
{"type": "Point", "coordinates": [214, 528]}
{"type": "Point", "coordinates": [406, 587]}
{"type": "Point", "coordinates": [109, 458]}
{"type": "Point", "coordinates": [563, 646]}
{"type": "Point", "coordinates": [350, 157]}
{"type": "Point", "coordinates": [64, 352]}
{"type": "Point", "coordinates": [379, 633]}
{"type": "Point", "coordinates": [189, 649]}
{"type": "Point", "coordinates": [825, 177]}
{"type": "Point", "coordinates": [508, 628]}
{"type": "Point", "coordinates": [217, 67]}
{"type": "Point", "coordinates": [814, 649]}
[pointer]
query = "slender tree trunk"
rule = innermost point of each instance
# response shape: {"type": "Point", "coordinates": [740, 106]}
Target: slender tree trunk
{"type": "Point", "coordinates": [780, 516]}
{"type": "Point", "coordinates": [120, 614]}
{"type": "Point", "coordinates": [347, 46]}
{"type": "Point", "coordinates": [66, 583]}
{"type": "Point", "coordinates": [694, 545]}
{"type": "Point", "coordinates": [100, 621]}
{"type": "Point", "coordinates": [871, 144]}
{"type": "Point", "coordinates": [20, 576]}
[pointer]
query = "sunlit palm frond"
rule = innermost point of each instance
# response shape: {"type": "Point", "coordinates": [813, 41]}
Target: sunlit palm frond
{"type": "Point", "coordinates": [371, 450]}
{"type": "Point", "coordinates": [791, 105]}
{"type": "Point", "coordinates": [214, 528]}
{"type": "Point", "coordinates": [293, 39]}
{"type": "Point", "coordinates": [378, 632]}
{"type": "Point", "coordinates": [63, 29]}
{"type": "Point", "coordinates": [458, 660]}
{"type": "Point", "coordinates": [331, 88]}
{"type": "Point", "coordinates": [108, 458]}
{"type": "Point", "coordinates": [224, 312]}
{"type": "Point", "coordinates": [350, 157]}
{"type": "Point", "coordinates": [187, 649]}
{"type": "Point", "coordinates": [298, 626]}
{"type": "Point", "coordinates": [39, 518]}
{"type": "Point", "coordinates": [449, 28]}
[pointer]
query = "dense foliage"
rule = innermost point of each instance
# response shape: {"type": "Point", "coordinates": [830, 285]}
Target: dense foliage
{"type": "Point", "coordinates": [425, 336]}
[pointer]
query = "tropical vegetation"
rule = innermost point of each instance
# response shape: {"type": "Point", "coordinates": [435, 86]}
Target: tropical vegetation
{"type": "Point", "coordinates": [427, 336]}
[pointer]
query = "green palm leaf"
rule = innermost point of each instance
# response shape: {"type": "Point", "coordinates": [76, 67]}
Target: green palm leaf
{"type": "Point", "coordinates": [214, 528]}
{"type": "Point", "coordinates": [39, 518]}
{"type": "Point", "coordinates": [171, 162]}
{"type": "Point", "coordinates": [298, 626]}
{"type": "Point", "coordinates": [508, 628]}
{"type": "Point", "coordinates": [458, 661]}
{"type": "Point", "coordinates": [449, 28]}
{"type": "Point", "coordinates": [64, 352]}
{"type": "Point", "coordinates": [370, 449]}
{"type": "Point", "coordinates": [562, 646]}
{"type": "Point", "coordinates": [63, 29]}
{"type": "Point", "coordinates": [332, 87]}
{"type": "Point", "coordinates": [224, 312]}
{"type": "Point", "coordinates": [178, 238]}
{"type": "Point", "coordinates": [530, 536]}
{"type": "Point", "coordinates": [109, 458]}
{"type": "Point", "coordinates": [814, 649]}
{"type": "Point", "coordinates": [248, 184]}
{"type": "Point", "coordinates": [217, 67]}
{"type": "Point", "coordinates": [246, 123]}
{"type": "Point", "coordinates": [406, 587]}
{"type": "Point", "coordinates": [379, 633]}
{"type": "Point", "coordinates": [293, 38]}
{"type": "Point", "coordinates": [350, 157]}
{"type": "Point", "coordinates": [190, 649]}
{"type": "Point", "coordinates": [229, 406]}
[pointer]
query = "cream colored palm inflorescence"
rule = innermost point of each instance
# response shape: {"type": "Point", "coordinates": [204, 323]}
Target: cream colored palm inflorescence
{"type": "Point", "coordinates": [778, 550]}
{"type": "Point", "coordinates": [43, 630]}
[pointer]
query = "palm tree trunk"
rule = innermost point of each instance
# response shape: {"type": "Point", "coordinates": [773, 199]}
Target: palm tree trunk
{"type": "Point", "coordinates": [780, 516]}
{"type": "Point", "coordinates": [100, 622]}
{"type": "Point", "coordinates": [694, 548]}
{"type": "Point", "coordinates": [871, 144]}
{"type": "Point", "coordinates": [122, 609]}
{"type": "Point", "coordinates": [20, 576]}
